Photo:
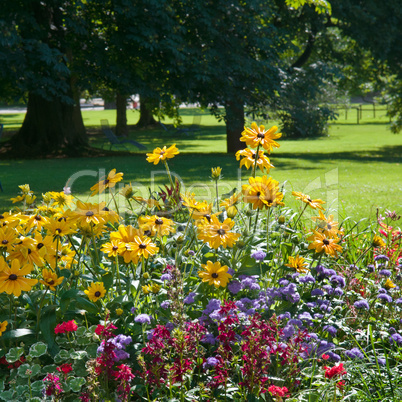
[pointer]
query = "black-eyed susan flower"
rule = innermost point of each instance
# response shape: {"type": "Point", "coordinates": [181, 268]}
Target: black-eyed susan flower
{"type": "Point", "coordinates": [327, 225]}
{"type": "Point", "coordinates": [107, 182]}
{"type": "Point", "coordinates": [142, 247]}
{"type": "Point", "coordinates": [89, 213]}
{"type": "Point", "coordinates": [95, 291]}
{"type": "Point", "coordinates": [127, 191]}
{"type": "Point", "coordinates": [13, 280]}
{"type": "Point", "coordinates": [204, 212]}
{"type": "Point", "coordinates": [50, 279]}
{"type": "Point", "coordinates": [262, 192]}
{"type": "Point", "coordinates": [149, 202]}
{"type": "Point", "coordinates": [25, 251]}
{"type": "Point", "coordinates": [3, 326]}
{"type": "Point", "coordinates": [215, 274]}
{"type": "Point", "coordinates": [158, 225]}
{"type": "Point", "coordinates": [321, 243]}
{"type": "Point", "coordinates": [307, 199]}
{"type": "Point", "coordinates": [125, 234]}
{"type": "Point", "coordinates": [161, 154]}
{"type": "Point", "coordinates": [216, 233]}
{"type": "Point", "coordinates": [36, 222]}
{"type": "Point", "coordinates": [113, 248]}
{"type": "Point", "coordinates": [189, 201]}
{"type": "Point", "coordinates": [216, 173]}
{"type": "Point", "coordinates": [59, 227]}
{"type": "Point", "coordinates": [248, 159]}
{"type": "Point", "coordinates": [234, 199]}
{"type": "Point", "coordinates": [61, 199]}
{"type": "Point", "coordinates": [8, 236]}
{"type": "Point", "coordinates": [258, 136]}
{"type": "Point", "coordinates": [298, 263]}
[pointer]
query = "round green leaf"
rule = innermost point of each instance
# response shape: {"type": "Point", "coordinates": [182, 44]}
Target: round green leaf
{"type": "Point", "coordinates": [38, 349]}
{"type": "Point", "coordinates": [14, 354]}
{"type": "Point", "coordinates": [7, 395]}
{"type": "Point", "coordinates": [76, 383]}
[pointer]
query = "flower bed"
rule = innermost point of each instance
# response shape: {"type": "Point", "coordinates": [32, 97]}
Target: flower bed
{"type": "Point", "coordinates": [181, 299]}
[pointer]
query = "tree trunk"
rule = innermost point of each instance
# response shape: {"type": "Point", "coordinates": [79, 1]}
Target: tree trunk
{"type": "Point", "coordinates": [146, 117]}
{"type": "Point", "coordinates": [121, 115]}
{"type": "Point", "coordinates": [49, 128]}
{"type": "Point", "coordinates": [234, 126]}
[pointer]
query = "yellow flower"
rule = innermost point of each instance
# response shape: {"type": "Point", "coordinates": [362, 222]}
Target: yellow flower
{"type": "Point", "coordinates": [8, 236]}
{"type": "Point", "coordinates": [191, 203]}
{"type": "Point", "coordinates": [3, 326]}
{"type": "Point", "coordinates": [12, 280]}
{"type": "Point", "coordinates": [127, 191]}
{"type": "Point", "coordinates": [60, 198]}
{"type": "Point", "coordinates": [377, 241]}
{"type": "Point", "coordinates": [25, 189]}
{"type": "Point", "coordinates": [216, 233]}
{"type": "Point", "coordinates": [146, 289]}
{"type": "Point", "coordinates": [156, 225]}
{"type": "Point", "coordinates": [95, 291]}
{"type": "Point", "coordinates": [142, 247]}
{"type": "Point", "coordinates": [149, 202]}
{"type": "Point", "coordinates": [125, 234]}
{"type": "Point", "coordinates": [89, 213]}
{"type": "Point", "coordinates": [18, 198]}
{"type": "Point", "coordinates": [256, 136]}
{"type": "Point", "coordinates": [231, 201]}
{"type": "Point", "coordinates": [306, 199]}
{"type": "Point", "coordinates": [389, 284]}
{"type": "Point", "coordinates": [322, 243]}
{"type": "Point", "coordinates": [215, 274]}
{"type": "Point", "coordinates": [25, 251]}
{"type": "Point", "coordinates": [262, 192]}
{"type": "Point", "coordinates": [59, 227]}
{"type": "Point", "coordinates": [159, 154]}
{"type": "Point", "coordinates": [216, 173]}
{"type": "Point", "coordinates": [298, 264]}
{"type": "Point", "coordinates": [107, 182]}
{"type": "Point", "coordinates": [112, 249]}
{"type": "Point", "coordinates": [248, 159]}
{"type": "Point", "coordinates": [155, 288]}
{"type": "Point", "coordinates": [51, 279]}
{"type": "Point", "coordinates": [327, 225]}
{"type": "Point", "coordinates": [119, 311]}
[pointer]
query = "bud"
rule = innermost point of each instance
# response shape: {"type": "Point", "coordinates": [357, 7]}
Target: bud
{"type": "Point", "coordinates": [127, 191]}
{"type": "Point", "coordinates": [249, 212]}
{"type": "Point", "coordinates": [180, 239]}
{"type": "Point", "coordinates": [231, 212]}
{"type": "Point", "coordinates": [240, 244]}
{"type": "Point", "coordinates": [155, 288]}
{"type": "Point", "coordinates": [145, 275]}
{"type": "Point", "coordinates": [216, 173]}
{"type": "Point", "coordinates": [119, 311]}
{"type": "Point", "coordinates": [281, 220]}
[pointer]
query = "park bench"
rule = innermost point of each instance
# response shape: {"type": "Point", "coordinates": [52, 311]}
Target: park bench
{"type": "Point", "coordinates": [195, 126]}
{"type": "Point", "coordinates": [115, 141]}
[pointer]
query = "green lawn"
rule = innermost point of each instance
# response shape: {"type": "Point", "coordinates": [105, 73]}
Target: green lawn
{"type": "Point", "coordinates": [357, 168]}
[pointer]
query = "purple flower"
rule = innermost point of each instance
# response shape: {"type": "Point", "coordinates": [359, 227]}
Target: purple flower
{"type": "Point", "coordinates": [305, 316]}
{"type": "Point", "coordinates": [370, 268]}
{"type": "Point", "coordinates": [386, 298]}
{"type": "Point", "coordinates": [231, 271]}
{"type": "Point", "coordinates": [211, 362]}
{"type": "Point", "coordinates": [121, 341]}
{"type": "Point", "coordinates": [338, 292]}
{"type": "Point", "coordinates": [166, 277]}
{"type": "Point", "coordinates": [398, 301]}
{"type": "Point", "coordinates": [385, 272]}
{"type": "Point", "coordinates": [213, 304]}
{"type": "Point", "coordinates": [354, 353]}
{"type": "Point", "coordinates": [191, 252]}
{"type": "Point", "coordinates": [317, 292]}
{"type": "Point", "coordinates": [392, 330]}
{"type": "Point", "coordinates": [306, 279]}
{"type": "Point", "coordinates": [249, 282]}
{"type": "Point", "coordinates": [259, 255]}
{"type": "Point", "coordinates": [381, 257]}
{"type": "Point", "coordinates": [311, 304]}
{"type": "Point", "coordinates": [189, 299]}
{"type": "Point", "coordinates": [284, 315]}
{"type": "Point", "coordinates": [209, 338]}
{"type": "Point", "coordinates": [133, 310]}
{"type": "Point", "coordinates": [296, 322]}
{"type": "Point", "coordinates": [329, 289]}
{"type": "Point", "coordinates": [120, 355]}
{"type": "Point", "coordinates": [396, 338]}
{"type": "Point", "coordinates": [381, 361]}
{"type": "Point", "coordinates": [333, 356]}
{"type": "Point", "coordinates": [362, 304]}
{"type": "Point", "coordinates": [337, 280]}
{"type": "Point", "coordinates": [318, 316]}
{"type": "Point", "coordinates": [143, 319]}
{"type": "Point", "coordinates": [169, 326]}
{"type": "Point", "coordinates": [234, 287]}
{"type": "Point", "coordinates": [165, 304]}
{"type": "Point", "coordinates": [288, 331]}
{"type": "Point", "coordinates": [330, 329]}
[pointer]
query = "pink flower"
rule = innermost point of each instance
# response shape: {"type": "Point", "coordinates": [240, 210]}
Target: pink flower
{"type": "Point", "coordinates": [65, 368]}
{"type": "Point", "coordinates": [331, 372]}
{"type": "Point", "coordinates": [52, 384]}
{"type": "Point", "coordinates": [278, 391]}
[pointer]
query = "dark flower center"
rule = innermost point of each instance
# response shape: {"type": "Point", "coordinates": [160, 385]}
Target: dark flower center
{"type": "Point", "coordinates": [106, 181]}
{"type": "Point", "coordinates": [261, 135]}
{"type": "Point", "coordinates": [1, 216]}
{"type": "Point", "coordinates": [208, 217]}
{"type": "Point", "coordinates": [142, 246]}
{"type": "Point", "coordinates": [61, 219]}
{"type": "Point", "coordinates": [40, 245]}
{"type": "Point", "coordinates": [29, 251]}
{"type": "Point", "coordinates": [329, 226]}
{"type": "Point", "coordinates": [162, 153]}
{"type": "Point", "coordinates": [255, 156]}
{"type": "Point", "coordinates": [4, 242]}
{"type": "Point", "coordinates": [309, 199]}
{"type": "Point", "coordinates": [147, 232]}
{"type": "Point", "coordinates": [214, 275]}
{"type": "Point", "coordinates": [89, 213]}
{"type": "Point", "coordinates": [159, 221]}
{"type": "Point", "coordinates": [114, 248]}
{"type": "Point", "coordinates": [326, 242]}
{"type": "Point", "coordinates": [51, 282]}
{"type": "Point", "coordinates": [58, 230]}
{"type": "Point", "coordinates": [258, 193]}
{"type": "Point", "coordinates": [13, 277]}
{"type": "Point", "coordinates": [221, 232]}
{"type": "Point", "coordinates": [106, 209]}
{"type": "Point", "coordinates": [38, 218]}
{"type": "Point", "coordinates": [97, 294]}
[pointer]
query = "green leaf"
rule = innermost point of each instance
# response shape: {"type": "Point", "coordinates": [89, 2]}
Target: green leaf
{"type": "Point", "coordinates": [76, 383]}
{"type": "Point", "coordinates": [80, 332]}
{"type": "Point", "coordinates": [107, 280]}
{"type": "Point", "coordinates": [1, 385]}
{"type": "Point", "coordinates": [86, 305]}
{"type": "Point", "coordinates": [47, 325]}
{"type": "Point", "coordinates": [7, 395]}
{"type": "Point", "coordinates": [61, 356]}
{"type": "Point", "coordinates": [22, 389]}
{"type": "Point", "coordinates": [50, 368]}
{"type": "Point", "coordinates": [79, 354]}
{"type": "Point", "coordinates": [38, 349]}
{"type": "Point", "coordinates": [17, 333]}
{"type": "Point", "coordinates": [14, 354]}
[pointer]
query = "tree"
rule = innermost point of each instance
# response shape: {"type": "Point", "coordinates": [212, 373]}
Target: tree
{"type": "Point", "coordinates": [41, 49]}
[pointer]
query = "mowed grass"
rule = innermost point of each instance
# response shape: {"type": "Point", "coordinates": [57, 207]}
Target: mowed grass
{"type": "Point", "coordinates": [356, 169]}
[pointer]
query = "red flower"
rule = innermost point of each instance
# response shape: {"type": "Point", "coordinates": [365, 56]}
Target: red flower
{"type": "Point", "coordinates": [340, 385]}
{"type": "Point", "coordinates": [278, 391]}
{"type": "Point", "coordinates": [68, 326]}
{"type": "Point", "coordinates": [325, 357]}
{"type": "Point", "coordinates": [65, 368]}
{"type": "Point", "coordinates": [331, 372]}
